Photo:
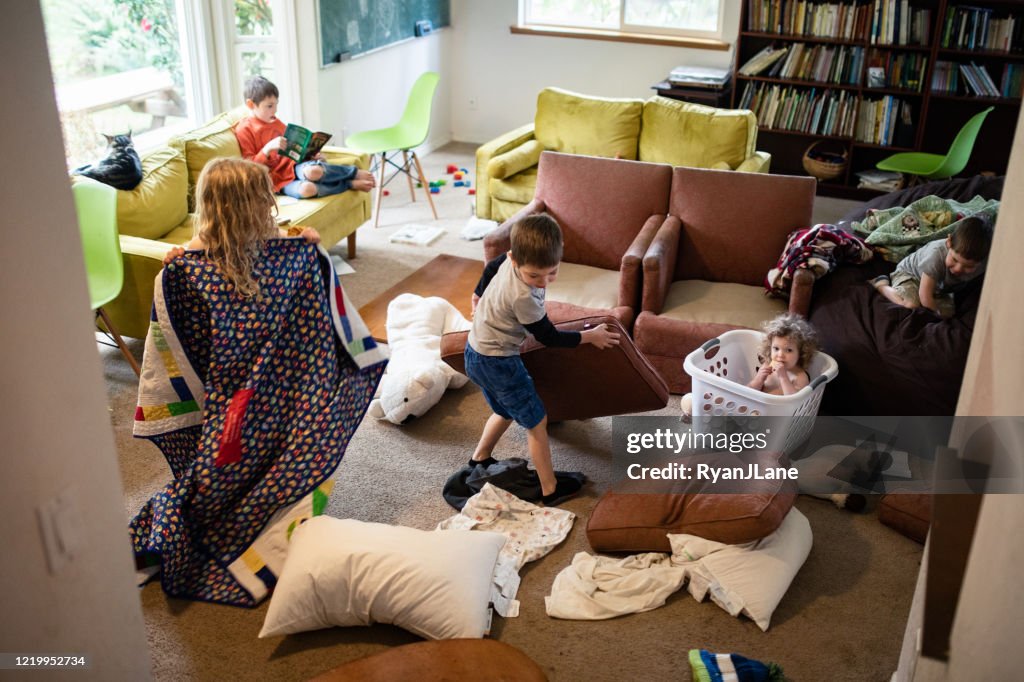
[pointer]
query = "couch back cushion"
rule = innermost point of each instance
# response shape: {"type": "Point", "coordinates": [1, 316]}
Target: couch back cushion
{"type": "Point", "coordinates": [158, 204]}
{"type": "Point", "coordinates": [601, 204]}
{"type": "Point", "coordinates": [213, 139]}
{"type": "Point", "coordinates": [687, 134]}
{"type": "Point", "coordinates": [594, 126]}
{"type": "Point", "coordinates": [736, 224]}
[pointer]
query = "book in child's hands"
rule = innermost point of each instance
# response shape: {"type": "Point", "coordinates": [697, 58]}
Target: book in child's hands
{"type": "Point", "coordinates": [302, 144]}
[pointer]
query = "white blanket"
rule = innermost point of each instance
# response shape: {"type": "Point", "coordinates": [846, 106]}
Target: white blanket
{"type": "Point", "coordinates": [599, 587]}
{"type": "Point", "coordinates": [531, 532]}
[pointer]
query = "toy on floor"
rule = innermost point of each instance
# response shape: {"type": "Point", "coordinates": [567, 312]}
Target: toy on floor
{"type": "Point", "coordinates": [416, 377]}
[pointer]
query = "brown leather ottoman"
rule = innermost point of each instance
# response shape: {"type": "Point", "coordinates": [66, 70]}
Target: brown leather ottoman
{"type": "Point", "coordinates": [583, 382]}
{"type": "Point", "coordinates": [909, 513]}
{"type": "Point", "coordinates": [441, 661]}
{"type": "Point", "coordinates": [641, 522]}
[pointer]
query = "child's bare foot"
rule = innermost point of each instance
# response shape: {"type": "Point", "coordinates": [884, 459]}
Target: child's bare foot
{"type": "Point", "coordinates": [364, 181]}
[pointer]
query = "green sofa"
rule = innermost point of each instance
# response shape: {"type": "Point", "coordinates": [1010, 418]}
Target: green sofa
{"type": "Point", "coordinates": [158, 213]}
{"type": "Point", "coordinates": [660, 130]}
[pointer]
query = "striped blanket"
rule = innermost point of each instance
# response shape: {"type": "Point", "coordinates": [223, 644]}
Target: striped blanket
{"type": "Point", "coordinates": [253, 403]}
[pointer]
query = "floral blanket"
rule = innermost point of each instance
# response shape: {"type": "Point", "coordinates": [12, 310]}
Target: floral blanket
{"type": "Point", "coordinates": [895, 232]}
{"type": "Point", "coordinates": [253, 403]}
{"type": "Point", "coordinates": [819, 249]}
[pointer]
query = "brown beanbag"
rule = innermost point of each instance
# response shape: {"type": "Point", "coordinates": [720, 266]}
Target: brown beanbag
{"type": "Point", "coordinates": [583, 382]}
{"type": "Point", "coordinates": [641, 522]}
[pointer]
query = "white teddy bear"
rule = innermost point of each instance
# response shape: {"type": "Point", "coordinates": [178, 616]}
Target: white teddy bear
{"type": "Point", "coordinates": [416, 376]}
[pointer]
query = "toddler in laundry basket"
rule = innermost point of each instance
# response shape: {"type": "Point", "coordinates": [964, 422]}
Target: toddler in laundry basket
{"type": "Point", "coordinates": [790, 343]}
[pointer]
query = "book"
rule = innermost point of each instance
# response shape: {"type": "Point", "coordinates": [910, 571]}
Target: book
{"type": "Point", "coordinates": [414, 233]}
{"type": "Point", "coordinates": [302, 144]}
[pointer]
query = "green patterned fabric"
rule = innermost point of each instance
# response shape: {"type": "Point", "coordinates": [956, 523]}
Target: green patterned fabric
{"type": "Point", "coordinates": [895, 232]}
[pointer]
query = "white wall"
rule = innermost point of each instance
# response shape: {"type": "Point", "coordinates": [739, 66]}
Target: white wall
{"type": "Point", "coordinates": [503, 72]}
{"type": "Point", "coordinates": [56, 431]}
{"type": "Point", "coordinates": [370, 91]}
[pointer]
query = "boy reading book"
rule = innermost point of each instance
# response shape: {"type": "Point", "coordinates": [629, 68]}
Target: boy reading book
{"type": "Point", "coordinates": [261, 137]}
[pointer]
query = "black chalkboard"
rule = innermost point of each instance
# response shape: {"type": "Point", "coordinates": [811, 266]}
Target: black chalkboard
{"type": "Point", "coordinates": [351, 27]}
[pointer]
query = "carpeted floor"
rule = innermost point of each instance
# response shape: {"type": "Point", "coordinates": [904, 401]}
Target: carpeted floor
{"type": "Point", "coordinates": [842, 619]}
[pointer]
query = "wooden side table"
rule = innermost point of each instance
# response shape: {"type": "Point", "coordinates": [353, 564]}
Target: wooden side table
{"type": "Point", "coordinates": [709, 96]}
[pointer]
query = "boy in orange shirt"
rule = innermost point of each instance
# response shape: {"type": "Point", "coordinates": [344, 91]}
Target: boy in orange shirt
{"type": "Point", "coordinates": [261, 137]}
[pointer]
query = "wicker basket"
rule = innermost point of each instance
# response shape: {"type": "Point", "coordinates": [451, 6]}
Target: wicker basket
{"type": "Point", "coordinates": [825, 170]}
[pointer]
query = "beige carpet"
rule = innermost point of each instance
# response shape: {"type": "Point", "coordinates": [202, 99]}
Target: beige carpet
{"type": "Point", "coordinates": [842, 618]}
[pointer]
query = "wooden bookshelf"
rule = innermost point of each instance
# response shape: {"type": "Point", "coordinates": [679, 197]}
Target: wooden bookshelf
{"type": "Point", "coordinates": [831, 48]}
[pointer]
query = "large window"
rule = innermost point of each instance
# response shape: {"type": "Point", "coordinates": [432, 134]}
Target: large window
{"type": "Point", "coordinates": [692, 18]}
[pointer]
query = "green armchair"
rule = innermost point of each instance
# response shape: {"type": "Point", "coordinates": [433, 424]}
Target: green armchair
{"type": "Point", "coordinates": [660, 130]}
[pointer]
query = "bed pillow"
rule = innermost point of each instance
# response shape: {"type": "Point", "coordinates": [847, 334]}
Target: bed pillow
{"type": "Point", "coordinates": [752, 578]}
{"type": "Point", "coordinates": [435, 584]}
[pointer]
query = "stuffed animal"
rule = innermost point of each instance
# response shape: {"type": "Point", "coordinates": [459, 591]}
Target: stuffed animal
{"type": "Point", "coordinates": [416, 377]}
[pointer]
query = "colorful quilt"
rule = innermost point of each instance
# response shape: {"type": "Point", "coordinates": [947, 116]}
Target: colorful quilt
{"type": "Point", "coordinates": [819, 249]}
{"type": "Point", "coordinates": [895, 232]}
{"type": "Point", "coordinates": [253, 403]}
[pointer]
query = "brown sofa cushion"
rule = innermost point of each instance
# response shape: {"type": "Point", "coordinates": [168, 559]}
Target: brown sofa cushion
{"type": "Point", "coordinates": [641, 522]}
{"type": "Point", "coordinates": [583, 382]}
{"type": "Point", "coordinates": [909, 513]}
{"type": "Point", "coordinates": [448, 659]}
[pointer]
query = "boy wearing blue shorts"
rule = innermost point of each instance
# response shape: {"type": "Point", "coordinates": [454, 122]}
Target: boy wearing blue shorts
{"type": "Point", "coordinates": [509, 303]}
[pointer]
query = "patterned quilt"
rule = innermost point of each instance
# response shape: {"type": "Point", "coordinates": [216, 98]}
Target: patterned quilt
{"type": "Point", "coordinates": [253, 403]}
{"type": "Point", "coordinates": [895, 232]}
{"type": "Point", "coordinates": [819, 249]}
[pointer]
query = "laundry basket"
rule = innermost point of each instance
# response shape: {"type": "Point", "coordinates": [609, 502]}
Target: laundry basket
{"type": "Point", "coordinates": [721, 370]}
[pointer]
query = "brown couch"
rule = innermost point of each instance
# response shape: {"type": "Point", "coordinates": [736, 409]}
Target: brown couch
{"type": "Point", "coordinates": [609, 211]}
{"type": "Point", "coordinates": [704, 273]}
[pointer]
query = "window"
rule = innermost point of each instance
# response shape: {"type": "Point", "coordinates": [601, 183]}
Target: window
{"type": "Point", "coordinates": [685, 18]}
{"type": "Point", "coordinates": [117, 66]}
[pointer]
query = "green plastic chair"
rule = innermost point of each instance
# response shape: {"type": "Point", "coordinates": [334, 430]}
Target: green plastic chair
{"type": "Point", "coordinates": [411, 131]}
{"type": "Point", "coordinates": [938, 166]}
{"type": "Point", "coordinates": [96, 205]}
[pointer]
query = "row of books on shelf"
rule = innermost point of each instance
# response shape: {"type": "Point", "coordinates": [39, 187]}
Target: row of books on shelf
{"type": "Point", "coordinates": [969, 28]}
{"type": "Point", "coordinates": [822, 63]}
{"type": "Point", "coordinates": [975, 80]}
{"type": "Point", "coordinates": [897, 22]}
{"type": "Point", "coordinates": [801, 110]}
{"type": "Point", "coordinates": [844, 20]}
{"type": "Point", "coordinates": [905, 71]}
{"type": "Point", "coordinates": [886, 121]}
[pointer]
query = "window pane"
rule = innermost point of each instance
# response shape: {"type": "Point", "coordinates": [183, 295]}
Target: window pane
{"type": "Point", "coordinates": [253, 18]}
{"type": "Point", "coordinates": [596, 13]}
{"type": "Point", "coordinates": [258, 64]}
{"type": "Point", "coordinates": [116, 67]}
{"type": "Point", "coordinates": [693, 15]}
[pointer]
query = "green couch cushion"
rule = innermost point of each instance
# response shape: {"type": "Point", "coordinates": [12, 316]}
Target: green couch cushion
{"type": "Point", "coordinates": [592, 126]}
{"type": "Point", "coordinates": [157, 205]}
{"type": "Point", "coordinates": [214, 139]}
{"type": "Point", "coordinates": [694, 135]}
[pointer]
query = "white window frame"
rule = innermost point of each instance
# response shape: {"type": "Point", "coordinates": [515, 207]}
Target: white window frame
{"type": "Point", "coordinates": [228, 49]}
{"type": "Point", "coordinates": [623, 27]}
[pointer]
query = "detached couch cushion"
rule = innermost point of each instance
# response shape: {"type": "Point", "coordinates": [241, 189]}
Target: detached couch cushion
{"type": "Point", "coordinates": [909, 513]}
{"type": "Point", "coordinates": [583, 382]}
{"type": "Point", "coordinates": [158, 204]}
{"type": "Point", "coordinates": [641, 522]}
{"type": "Point", "coordinates": [687, 134]}
{"type": "Point", "coordinates": [592, 126]}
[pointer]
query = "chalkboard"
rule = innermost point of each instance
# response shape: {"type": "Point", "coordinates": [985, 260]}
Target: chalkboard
{"type": "Point", "coordinates": [351, 27]}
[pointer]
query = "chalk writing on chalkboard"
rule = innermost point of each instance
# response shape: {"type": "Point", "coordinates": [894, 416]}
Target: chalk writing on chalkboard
{"type": "Point", "coordinates": [352, 27]}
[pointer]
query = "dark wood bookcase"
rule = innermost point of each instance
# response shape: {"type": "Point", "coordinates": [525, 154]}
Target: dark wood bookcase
{"type": "Point", "coordinates": [896, 35]}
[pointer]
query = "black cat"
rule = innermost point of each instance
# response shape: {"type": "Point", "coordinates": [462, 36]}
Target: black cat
{"type": "Point", "coordinates": [121, 168]}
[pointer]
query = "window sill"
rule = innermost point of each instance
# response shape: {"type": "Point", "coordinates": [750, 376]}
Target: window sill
{"type": "Point", "coordinates": [621, 37]}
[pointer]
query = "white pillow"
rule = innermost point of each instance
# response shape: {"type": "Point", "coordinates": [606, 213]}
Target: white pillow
{"type": "Point", "coordinates": [750, 578]}
{"type": "Point", "coordinates": [436, 584]}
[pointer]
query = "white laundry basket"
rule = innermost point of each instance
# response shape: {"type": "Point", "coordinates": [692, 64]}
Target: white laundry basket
{"type": "Point", "coordinates": [721, 370]}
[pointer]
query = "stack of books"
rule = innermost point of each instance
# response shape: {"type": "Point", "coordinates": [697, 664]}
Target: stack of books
{"type": "Point", "coordinates": [885, 181]}
{"type": "Point", "coordinates": [698, 77]}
